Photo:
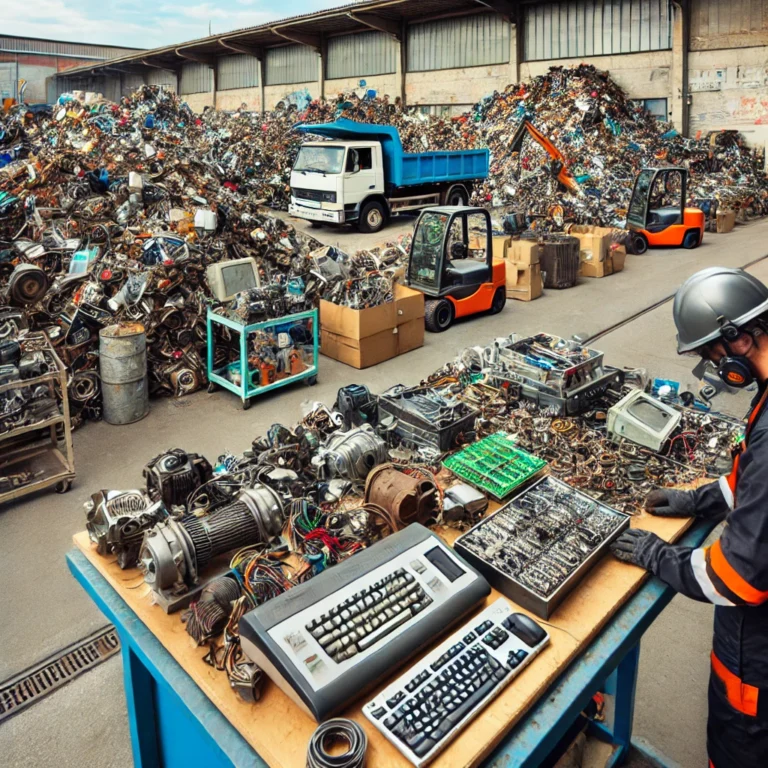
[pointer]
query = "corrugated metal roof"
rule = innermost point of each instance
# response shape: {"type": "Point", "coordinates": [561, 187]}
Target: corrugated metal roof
{"type": "Point", "coordinates": [17, 44]}
{"type": "Point", "coordinates": [330, 22]}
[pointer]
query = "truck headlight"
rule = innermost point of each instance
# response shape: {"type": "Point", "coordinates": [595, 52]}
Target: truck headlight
{"type": "Point", "coordinates": [328, 197]}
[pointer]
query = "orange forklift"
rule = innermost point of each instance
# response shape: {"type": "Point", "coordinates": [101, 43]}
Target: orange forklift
{"type": "Point", "coordinates": [451, 262]}
{"type": "Point", "coordinates": [657, 214]}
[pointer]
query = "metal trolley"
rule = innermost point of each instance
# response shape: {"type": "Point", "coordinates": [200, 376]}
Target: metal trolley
{"type": "Point", "coordinates": [242, 379]}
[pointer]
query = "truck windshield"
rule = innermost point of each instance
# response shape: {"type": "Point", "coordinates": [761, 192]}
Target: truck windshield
{"type": "Point", "coordinates": [426, 249]}
{"type": "Point", "coordinates": [320, 160]}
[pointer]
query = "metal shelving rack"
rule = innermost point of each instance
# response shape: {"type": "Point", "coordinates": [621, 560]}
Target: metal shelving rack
{"type": "Point", "coordinates": [28, 448]}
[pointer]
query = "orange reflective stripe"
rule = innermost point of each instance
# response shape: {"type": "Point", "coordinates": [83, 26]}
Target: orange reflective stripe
{"type": "Point", "coordinates": [741, 697]}
{"type": "Point", "coordinates": [733, 580]}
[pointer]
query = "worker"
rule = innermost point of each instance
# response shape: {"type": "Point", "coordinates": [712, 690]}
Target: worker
{"type": "Point", "coordinates": [722, 315]}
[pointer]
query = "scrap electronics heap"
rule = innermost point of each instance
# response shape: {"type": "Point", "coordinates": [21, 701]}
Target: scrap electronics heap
{"type": "Point", "coordinates": [567, 444]}
{"type": "Point", "coordinates": [606, 138]}
{"type": "Point", "coordinates": [114, 213]}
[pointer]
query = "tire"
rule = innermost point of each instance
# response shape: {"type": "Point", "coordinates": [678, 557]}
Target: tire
{"type": "Point", "coordinates": [639, 244]}
{"type": "Point", "coordinates": [310, 381]}
{"type": "Point", "coordinates": [499, 300]}
{"type": "Point", "coordinates": [438, 315]}
{"type": "Point", "coordinates": [691, 239]}
{"type": "Point", "coordinates": [315, 224]}
{"type": "Point", "coordinates": [456, 196]}
{"type": "Point", "coordinates": [373, 217]}
{"type": "Point", "coordinates": [212, 387]}
{"type": "Point", "coordinates": [246, 404]}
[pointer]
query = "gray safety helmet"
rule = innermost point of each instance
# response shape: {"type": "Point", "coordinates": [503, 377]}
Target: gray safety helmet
{"type": "Point", "coordinates": [713, 293]}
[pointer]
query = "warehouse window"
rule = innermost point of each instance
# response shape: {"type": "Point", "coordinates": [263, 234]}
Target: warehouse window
{"type": "Point", "coordinates": [290, 64]}
{"type": "Point", "coordinates": [657, 107]}
{"type": "Point", "coordinates": [367, 53]}
{"type": "Point", "coordinates": [596, 27]}
{"type": "Point", "coordinates": [237, 71]}
{"type": "Point", "coordinates": [467, 41]}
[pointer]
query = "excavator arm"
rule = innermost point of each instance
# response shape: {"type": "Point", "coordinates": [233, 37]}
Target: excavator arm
{"type": "Point", "coordinates": [559, 170]}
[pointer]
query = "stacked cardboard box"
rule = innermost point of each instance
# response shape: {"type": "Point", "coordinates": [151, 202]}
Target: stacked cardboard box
{"type": "Point", "coordinates": [726, 221]}
{"type": "Point", "coordinates": [523, 269]}
{"type": "Point", "coordinates": [365, 337]}
{"type": "Point", "coordinates": [600, 256]}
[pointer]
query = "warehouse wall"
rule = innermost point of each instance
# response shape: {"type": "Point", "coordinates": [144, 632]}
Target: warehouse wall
{"type": "Point", "coordinates": [642, 75]}
{"type": "Point", "coordinates": [233, 98]}
{"type": "Point", "coordinates": [198, 101]}
{"type": "Point", "coordinates": [275, 93]}
{"type": "Point", "coordinates": [456, 86]}
{"type": "Point", "coordinates": [380, 83]}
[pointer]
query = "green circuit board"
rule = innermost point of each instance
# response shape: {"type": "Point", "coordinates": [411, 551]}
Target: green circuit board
{"type": "Point", "coordinates": [494, 465]}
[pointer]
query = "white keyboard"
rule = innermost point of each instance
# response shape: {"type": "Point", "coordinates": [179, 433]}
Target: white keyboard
{"type": "Point", "coordinates": [425, 708]}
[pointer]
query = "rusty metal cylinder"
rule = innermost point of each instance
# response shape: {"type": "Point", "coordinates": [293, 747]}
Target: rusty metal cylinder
{"type": "Point", "coordinates": [123, 369]}
{"type": "Point", "coordinates": [409, 499]}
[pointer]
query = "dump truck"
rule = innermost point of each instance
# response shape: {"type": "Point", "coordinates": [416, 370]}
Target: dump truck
{"type": "Point", "coordinates": [361, 175]}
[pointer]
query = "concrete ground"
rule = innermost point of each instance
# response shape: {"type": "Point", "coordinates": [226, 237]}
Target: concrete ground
{"type": "Point", "coordinates": [43, 608]}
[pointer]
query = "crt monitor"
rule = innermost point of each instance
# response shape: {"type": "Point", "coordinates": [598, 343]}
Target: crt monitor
{"type": "Point", "coordinates": [643, 420]}
{"type": "Point", "coordinates": [228, 278]}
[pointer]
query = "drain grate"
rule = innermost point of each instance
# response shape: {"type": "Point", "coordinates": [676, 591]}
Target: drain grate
{"type": "Point", "coordinates": [29, 686]}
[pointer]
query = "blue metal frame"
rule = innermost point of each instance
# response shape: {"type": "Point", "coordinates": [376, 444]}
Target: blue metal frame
{"type": "Point", "coordinates": [245, 390]}
{"type": "Point", "coordinates": [173, 723]}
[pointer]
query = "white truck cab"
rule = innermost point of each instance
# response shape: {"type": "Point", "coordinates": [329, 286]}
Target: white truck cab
{"type": "Point", "coordinates": [332, 178]}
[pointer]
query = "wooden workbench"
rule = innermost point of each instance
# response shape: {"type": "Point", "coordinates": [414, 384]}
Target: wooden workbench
{"type": "Point", "coordinates": [279, 731]}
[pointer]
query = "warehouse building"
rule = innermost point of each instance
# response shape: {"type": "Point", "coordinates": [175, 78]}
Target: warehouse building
{"type": "Point", "coordinates": [699, 63]}
{"type": "Point", "coordinates": [31, 63]}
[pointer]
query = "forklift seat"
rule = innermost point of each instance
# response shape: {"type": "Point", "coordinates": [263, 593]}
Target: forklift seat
{"type": "Point", "coordinates": [659, 218]}
{"type": "Point", "coordinates": [470, 271]}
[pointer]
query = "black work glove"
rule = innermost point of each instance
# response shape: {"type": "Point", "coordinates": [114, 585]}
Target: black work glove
{"type": "Point", "coordinates": [638, 547]}
{"type": "Point", "coordinates": [667, 502]}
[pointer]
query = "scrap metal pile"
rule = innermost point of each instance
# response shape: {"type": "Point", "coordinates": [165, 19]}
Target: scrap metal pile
{"type": "Point", "coordinates": [606, 138]}
{"type": "Point", "coordinates": [305, 497]}
{"type": "Point", "coordinates": [112, 213]}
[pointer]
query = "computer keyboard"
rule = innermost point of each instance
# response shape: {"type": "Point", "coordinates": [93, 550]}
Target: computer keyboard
{"type": "Point", "coordinates": [425, 708]}
{"type": "Point", "coordinates": [328, 640]}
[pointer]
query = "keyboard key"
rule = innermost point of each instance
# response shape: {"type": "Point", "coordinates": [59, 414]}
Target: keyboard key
{"type": "Point", "coordinates": [395, 700]}
{"type": "Point", "coordinates": [379, 713]}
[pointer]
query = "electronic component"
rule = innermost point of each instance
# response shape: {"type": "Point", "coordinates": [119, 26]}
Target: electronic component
{"type": "Point", "coordinates": [328, 640]}
{"type": "Point", "coordinates": [173, 475]}
{"type": "Point", "coordinates": [408, 497]}
{"type": "Point", "coordinates": [356, 405]}
{"type": "Point", "coordinates": [536, 548]}
{"type": "Point", "coordinates": [643, 420]}
{"type": "Point", "coordinates": [350, 455]}
{"type": "Point", "coordinates": [226, 278]}
{"type": "Point", "coordinates": [462, 502]}
{"type": "Point", "coordinates": [173, 554]}
{"type": "Point", "coordinates": [117, 520]}
{"type": "Point", "coordinates": [551, 371]}
{"type": "Point", "coordinates": [495, 465]}
{"type": "Point", "coordinates": [426, 707]}
{"type": "Point", "coordinates": [422, 417]}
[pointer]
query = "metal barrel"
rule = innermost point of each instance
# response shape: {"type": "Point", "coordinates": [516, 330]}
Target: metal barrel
{"type": "Point", "coordinates": [123, 367]}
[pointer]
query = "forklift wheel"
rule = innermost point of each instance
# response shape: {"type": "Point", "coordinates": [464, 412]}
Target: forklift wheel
{"type": "Point", "coordinates": [639, 244]}
{"type": "Point", "coordinates": [372, 217]}
{"type": "Point", "coordinates": [691, 239]}
{"type": "Point", "coordinates": [438, 315]}
{"type": "Point", "coordinates": [499, 300]}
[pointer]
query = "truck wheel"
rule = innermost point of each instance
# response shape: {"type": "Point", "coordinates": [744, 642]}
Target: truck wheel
{"type": "Point", "coordinates": [499, 300]}
{"type": "Point", "coordinates": [691, 239]}
{"type": "Point", "coordinates": [372, 217]}
{"type": "Point", "coordinates": [639, 244]}
{"type": "Point", "coordinates": [315, 224]}
{"type": "Point", "coordinates": [438, 315]}
{"type": "Point", "coordinates": [456, 196]}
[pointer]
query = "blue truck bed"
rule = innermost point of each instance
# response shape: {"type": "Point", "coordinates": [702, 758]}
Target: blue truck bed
{"type": "Point", "coordinates": [400, 168]}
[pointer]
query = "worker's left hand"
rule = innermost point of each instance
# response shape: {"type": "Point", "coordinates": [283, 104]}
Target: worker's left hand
{"type": "Point", "coordinates": [638, 547]}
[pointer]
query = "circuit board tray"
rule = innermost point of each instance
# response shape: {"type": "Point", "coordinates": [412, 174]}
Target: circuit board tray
{"type": "Point", "coordinates": [536, 548]}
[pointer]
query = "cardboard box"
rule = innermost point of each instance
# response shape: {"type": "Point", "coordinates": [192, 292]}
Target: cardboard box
{"type": "Point", "coordinates": [523, 252]}
{"type": "Point", "coordinates": [523, 281]}
{"type": "Point", "coordinates": [597, 268]}
{"type": "Point", "coordinates": [501, 246]}
{"type": "Point", "coordinates": [726, 221]}
{"type": "Point", "coordinates": [618, 257]}
{"type": "Point", "coordinates": [594, 242]}
{"type": "Point", "coordinates": [365, 337]}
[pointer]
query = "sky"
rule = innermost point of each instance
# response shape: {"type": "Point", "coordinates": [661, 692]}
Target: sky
{"type": "Point", "coordinates": [145, 23]}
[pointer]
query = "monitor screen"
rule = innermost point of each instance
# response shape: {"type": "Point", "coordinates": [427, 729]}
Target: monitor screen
{"type": "Point", "coordinates": [650, 414]}
{"type": "Point", "coordinates": [237, 277]}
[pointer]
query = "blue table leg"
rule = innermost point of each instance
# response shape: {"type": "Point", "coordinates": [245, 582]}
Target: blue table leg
{"type": "Point", "coordinates": [141, 708]}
